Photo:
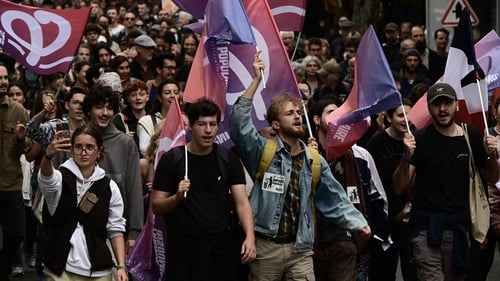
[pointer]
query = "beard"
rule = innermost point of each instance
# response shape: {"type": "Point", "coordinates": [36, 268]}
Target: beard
{"type": "Point", "coordinates": [296, 133]}
{"type": "Point", "coordinates": [444, 125]}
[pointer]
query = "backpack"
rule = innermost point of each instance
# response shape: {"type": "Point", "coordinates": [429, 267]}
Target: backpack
{"type": "Point", "coordinates": [267, 157]}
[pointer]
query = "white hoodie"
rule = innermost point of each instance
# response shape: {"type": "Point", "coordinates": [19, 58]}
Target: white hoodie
{"type": "Point", "coordinates": [78, 261]}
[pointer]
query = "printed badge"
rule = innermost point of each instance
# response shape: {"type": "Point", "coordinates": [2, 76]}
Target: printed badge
{"type": "Point", "coordinates": [273, 183]}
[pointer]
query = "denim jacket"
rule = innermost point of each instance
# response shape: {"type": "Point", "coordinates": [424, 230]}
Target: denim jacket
{"type": "Point", "coordinates": [330, 198]}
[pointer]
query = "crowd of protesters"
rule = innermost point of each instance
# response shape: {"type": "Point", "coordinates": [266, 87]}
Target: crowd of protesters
{"type": "Point", "coordinates": [133, 61]}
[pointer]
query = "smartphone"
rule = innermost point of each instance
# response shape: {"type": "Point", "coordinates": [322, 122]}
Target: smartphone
{"type": "Point", "coordinates": [63, 126]}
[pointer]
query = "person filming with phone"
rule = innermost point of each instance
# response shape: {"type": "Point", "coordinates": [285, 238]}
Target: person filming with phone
{"type": "Point", "coordinates": [83, 208]}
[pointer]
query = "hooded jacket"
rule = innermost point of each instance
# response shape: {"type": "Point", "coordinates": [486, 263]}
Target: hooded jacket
{"type": "Point", "coordinates": [78, 260]}
{"type": "Point", "coordinates": [121, 163]}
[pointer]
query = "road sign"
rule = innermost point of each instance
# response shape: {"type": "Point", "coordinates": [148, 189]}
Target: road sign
{"type": "Point", "coordinates": [453, 12]}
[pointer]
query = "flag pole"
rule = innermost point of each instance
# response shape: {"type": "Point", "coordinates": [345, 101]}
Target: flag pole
{"type": "Point", "coordinates": [406, 118]}
{"type": "Point", "coordinates": [185, 166]}
{"type": "Point", "coordinates": [307, 119]}
{"type": "Point", "coordinates": [261, 71]}
{"type": "Point", "coordinates": [296, 46]}
{"type": "Point", "coordinates": [482, 106]}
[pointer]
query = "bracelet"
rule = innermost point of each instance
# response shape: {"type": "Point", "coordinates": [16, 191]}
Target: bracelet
{"type": "Point", "coordinates": [118, 267]}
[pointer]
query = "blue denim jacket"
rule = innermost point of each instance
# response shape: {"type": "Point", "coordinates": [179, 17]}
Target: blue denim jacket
{"type": "Point", "coordinates": [330, 199]}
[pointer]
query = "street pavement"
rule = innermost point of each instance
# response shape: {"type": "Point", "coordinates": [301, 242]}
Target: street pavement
{"type": "Point", "coordinates": [494, 274]}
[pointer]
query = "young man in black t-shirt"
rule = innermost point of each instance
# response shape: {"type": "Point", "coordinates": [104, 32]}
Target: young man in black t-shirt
{"type": "Point", "coordinates": [439, 157]}
{"type": "Point", "coordinates": [196, 208]}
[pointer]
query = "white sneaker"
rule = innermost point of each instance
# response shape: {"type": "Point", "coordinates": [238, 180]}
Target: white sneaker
{"type": "Point", "coordinates": [17, 271]}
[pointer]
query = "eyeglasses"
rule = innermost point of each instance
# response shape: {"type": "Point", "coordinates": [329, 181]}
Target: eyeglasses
{"type": "Point", "coordinates": [169, 67]}
{"type": "Point", "coordinates": [129, 19]}
{"type": "Point", "coordinates": [88, 148]}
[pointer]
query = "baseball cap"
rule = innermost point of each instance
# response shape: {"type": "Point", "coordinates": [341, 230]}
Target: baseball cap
{"type": "Point", "coordinates": [391, 27]}
{"type": "Point", "coordinates": [145, 41]}
{"type": "Point", "coordinates": [440, 90]}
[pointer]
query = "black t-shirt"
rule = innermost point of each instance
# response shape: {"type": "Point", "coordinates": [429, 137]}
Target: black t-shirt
{"type": "Point", "coordinates": [205, 211]}
{"type": "Point", "coordinates": [387, 152]}
{"type": "Point", "coordinates": [442, 169]}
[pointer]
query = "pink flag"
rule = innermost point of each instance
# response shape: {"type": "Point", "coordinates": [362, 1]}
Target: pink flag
{"type": "Point", "coordinates": [278, 73]}
{"type": "Point", "coordinates": [43, 40]}
{"type": "Point", "coordinates": [289, 14]}
{"type": "Point", "coordinates": [173, 133]}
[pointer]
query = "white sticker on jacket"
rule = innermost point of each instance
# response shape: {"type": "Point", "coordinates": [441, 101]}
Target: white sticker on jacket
{"type": "Point", "coordinates": [352, 193]}
{"type": "Point", "coordinates": [273, 183]}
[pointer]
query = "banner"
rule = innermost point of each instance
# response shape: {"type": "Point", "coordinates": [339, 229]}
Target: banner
{"type": "Point", "coordinates": [43, 40]}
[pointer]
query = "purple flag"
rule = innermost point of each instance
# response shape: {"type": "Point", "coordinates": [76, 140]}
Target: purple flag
{"type": "Point", "coordinates": [228, 21]}
{"type": "Point", "coordinates": [194, 7]}
{"type": "Point", "coordinates": [278, 72]}
{"type": "Point", "coordinates": [488, 57]}
{"type": "Point", "coordinates": [374, 91]}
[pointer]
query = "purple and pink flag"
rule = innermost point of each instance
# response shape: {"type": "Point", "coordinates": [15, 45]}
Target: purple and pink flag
{"type": "Point", "coordinates": [226, 23]}
{"type": "Point", "coordinates": [374, 91]}
{"type": "Point", "coordinates": [289, 14]}
{"type": "Point", "coordinates": [148, 260]}
{"type": "Point", "coordinates": [278, 72]}
{"type": "Point", "coordinates": [43, 40]}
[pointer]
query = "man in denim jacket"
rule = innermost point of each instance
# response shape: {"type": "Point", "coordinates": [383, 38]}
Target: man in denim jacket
{"type": "Point", "coordinates": [282, 200]}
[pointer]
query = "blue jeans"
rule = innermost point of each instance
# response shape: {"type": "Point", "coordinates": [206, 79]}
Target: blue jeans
{"type": "Point", "coordinates": [12, 216]}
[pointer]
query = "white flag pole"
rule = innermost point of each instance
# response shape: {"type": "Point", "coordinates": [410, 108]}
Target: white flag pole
{"type": "Point", "coordinates": [482, 105]}
{"type": "Point", "coordinates": [185, 167]}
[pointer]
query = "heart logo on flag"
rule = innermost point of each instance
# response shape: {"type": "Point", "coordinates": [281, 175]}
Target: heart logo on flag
{"type": "Point", "coordinates": [35, 49]}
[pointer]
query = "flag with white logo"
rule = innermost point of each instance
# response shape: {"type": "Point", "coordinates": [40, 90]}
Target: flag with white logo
{"type": "Point", "coordinates": [43, 40]}
{"type": "Point", "coordinates": [278, 69]}
{"type": "Point", "coordinates": [288, 14]}
{"type": "Point", "coordinates": [374, 91]}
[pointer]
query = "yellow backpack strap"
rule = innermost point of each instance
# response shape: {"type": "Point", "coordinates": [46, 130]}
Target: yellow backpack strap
{"type": "Point", "coordinates": [315, 168]}
{"type": "Point", "coordinates": [266, 158]}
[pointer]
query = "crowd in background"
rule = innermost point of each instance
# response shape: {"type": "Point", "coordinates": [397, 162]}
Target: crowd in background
{"type": "Point", "coordinates": [143, 52]}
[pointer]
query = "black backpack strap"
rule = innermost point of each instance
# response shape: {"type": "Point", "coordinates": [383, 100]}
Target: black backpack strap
{"type": "Point", "coordinates": [153, 119]}
{"type": "Point", "coordinates": [179, 160]}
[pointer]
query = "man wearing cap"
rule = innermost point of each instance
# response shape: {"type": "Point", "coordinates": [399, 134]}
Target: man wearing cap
{"type": "Point", "coordinates": [332, 85]}
{"type": "Point", "coordinates": [391, 45]}
{"type": "Point", "coordinates": [140, 67]}
{"type": "Point", "coordinates": [438, 159]}
{"type": "Point", "coordinates": [337, 44]}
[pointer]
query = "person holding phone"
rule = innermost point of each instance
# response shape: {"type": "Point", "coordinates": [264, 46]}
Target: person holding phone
{"type": "Point", "coordinates": [83, 208]}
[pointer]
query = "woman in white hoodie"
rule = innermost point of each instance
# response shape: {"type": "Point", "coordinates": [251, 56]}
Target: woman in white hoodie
{"type": "Point", "coordinates": [83, 208]}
